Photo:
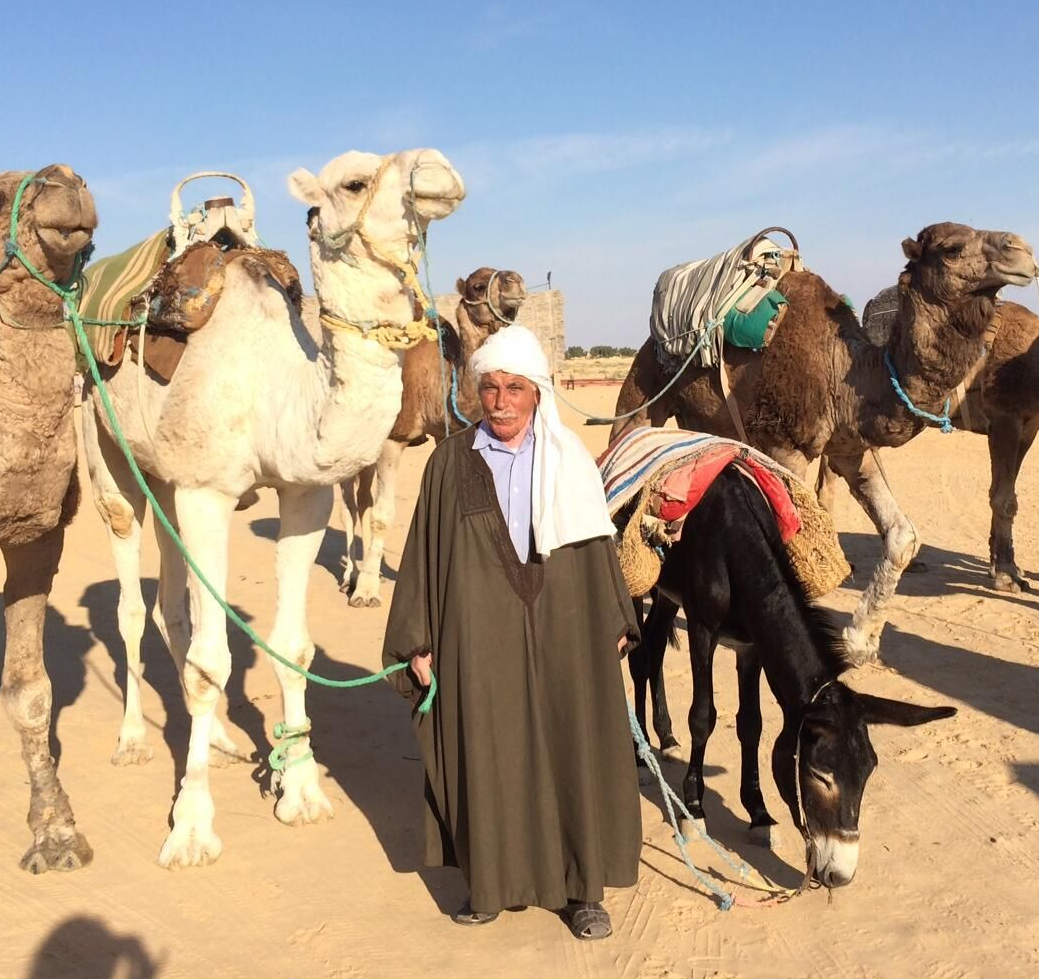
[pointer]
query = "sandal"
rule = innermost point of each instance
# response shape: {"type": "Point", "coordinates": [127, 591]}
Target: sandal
{"type": "Point", "coordinates": [588, 922]}
{"type": "Point", "coordinates": [467, 916]}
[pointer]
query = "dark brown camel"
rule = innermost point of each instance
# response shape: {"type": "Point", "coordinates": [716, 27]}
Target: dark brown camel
{"type": "Point", "coordinates": [38, 488]}
{"type": "Point", "coordinates": [1002, 402]}
{"type": "Point", "coordinates": [491, 299]}
{"type": "Point", "coordinates": [820, 388]}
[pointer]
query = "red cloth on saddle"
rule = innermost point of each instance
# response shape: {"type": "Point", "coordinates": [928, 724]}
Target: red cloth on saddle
{"type": "Point", "coordinates": [683, 488]}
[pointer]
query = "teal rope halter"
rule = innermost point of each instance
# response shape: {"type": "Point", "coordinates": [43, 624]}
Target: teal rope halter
{"type": "Point", "coordinates": [943, 421]}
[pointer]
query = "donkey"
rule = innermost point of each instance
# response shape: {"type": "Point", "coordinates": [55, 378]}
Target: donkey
{"type": "Point", "coordinates": [731, 575]}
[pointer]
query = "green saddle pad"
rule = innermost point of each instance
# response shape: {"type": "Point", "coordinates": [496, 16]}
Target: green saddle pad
{"type": "Point", "coordinates": [748, 329]}
{"type": "Point", "coordinates": [111, 284]}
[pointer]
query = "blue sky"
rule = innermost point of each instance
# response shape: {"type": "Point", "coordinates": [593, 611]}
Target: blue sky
{"type": "Point", "coordinates": [601, 141]}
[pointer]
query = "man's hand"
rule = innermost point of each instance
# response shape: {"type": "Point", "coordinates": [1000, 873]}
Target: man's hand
{"type": "Point", "coordinates": [621, 643]}
{"type": "Point", "coordinates": [422, 667]}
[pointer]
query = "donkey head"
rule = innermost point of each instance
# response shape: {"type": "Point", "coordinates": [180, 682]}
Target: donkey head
{"type": "Point", "coordinates": [834, 761]}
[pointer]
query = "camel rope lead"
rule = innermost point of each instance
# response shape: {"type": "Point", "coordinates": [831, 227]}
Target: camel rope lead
{"type": "Point", "coordinates": [68, 297]}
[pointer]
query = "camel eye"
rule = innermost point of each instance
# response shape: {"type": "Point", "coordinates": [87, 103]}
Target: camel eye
{"type": "Point", "coordinates": [355, 186]}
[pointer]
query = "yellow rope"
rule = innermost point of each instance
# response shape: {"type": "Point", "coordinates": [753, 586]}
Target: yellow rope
{"type": "Point", "coordinates": [394, 336]}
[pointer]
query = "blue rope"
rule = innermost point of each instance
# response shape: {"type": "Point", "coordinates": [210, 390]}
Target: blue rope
{"type": "Point", "coordinates": [454, 399]}
{"type": "Point", "coordinates": [943, 421]}
{"type": "Point", "coordinates": [670, 800]}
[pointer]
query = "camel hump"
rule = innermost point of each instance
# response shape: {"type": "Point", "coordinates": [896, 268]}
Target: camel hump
{"type": "Point", "coordinates": [879, 315]}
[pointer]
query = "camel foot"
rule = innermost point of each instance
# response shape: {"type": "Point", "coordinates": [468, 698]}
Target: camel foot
{"type": "Point", "coordinates": [302, 800]}
{"type": "Point", "coordinates": [133, 751]}
{"type": "Point", "coordinates": [360, 601]}
{"type": "Point", "coordinates": [58, 851]}
{"type": "Point", "coordinates": [1011, 582]}
{"type": "Point", "coordinates": [190, 846]}
{"type": "Point", "coordinates": [692, 829]}
{"type": "Point", "coordinates": [764, 836]}
{"type": "Point", "coordinates": [861, 646]}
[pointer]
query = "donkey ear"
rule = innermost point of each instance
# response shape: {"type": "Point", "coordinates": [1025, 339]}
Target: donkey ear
{"type": "Point", "coordinates": [880, 710]}
{"type": "Point", "coordinates": [912, 249]}
{"type": "Point", "coordinates": [304, 186]}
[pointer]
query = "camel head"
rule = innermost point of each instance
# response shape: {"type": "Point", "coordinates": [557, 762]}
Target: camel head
{"type": "Point", "coordinates": [492, 297]}
{"type": "Point", "coordinates": [951, 262]}
{"type": "Point", "coordinates": [56, 218]}
{"type": "Point", "coordinates": [384, 199]}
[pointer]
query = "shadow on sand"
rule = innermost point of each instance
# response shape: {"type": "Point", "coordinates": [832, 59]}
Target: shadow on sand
{"type": "Point", "coordinates": [64, 653]}
{"type": "Point", "coordinates": [82, 947]}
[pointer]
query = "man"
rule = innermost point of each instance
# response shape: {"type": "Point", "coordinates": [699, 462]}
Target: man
{"type": "Point", "coordinates": [509, 589]}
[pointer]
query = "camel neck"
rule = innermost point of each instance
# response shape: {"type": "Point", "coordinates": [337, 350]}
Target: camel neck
{"type": "Point", "coordinates": [934, 345]}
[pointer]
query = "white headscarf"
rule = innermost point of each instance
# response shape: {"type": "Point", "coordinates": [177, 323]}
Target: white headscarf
{"type": "Point", "coordinates": [568, 503]}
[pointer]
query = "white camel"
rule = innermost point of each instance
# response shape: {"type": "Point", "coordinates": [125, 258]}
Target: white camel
{"type": "Point", "coordinates": [257, 402]}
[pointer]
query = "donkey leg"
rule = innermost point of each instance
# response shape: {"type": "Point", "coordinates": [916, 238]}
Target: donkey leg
{"type": "Point", "coordinates": [901, 544]}
{"type": "Point", "coordinates": [638, 668]}
{"type": "Point", "coordinates": [663, 616]}
{"type": "Point", "coordinates": [1009, 440]}
{"type": "Point", "coordinates": [26, 694]}
{"type": "Point", "coordinates": [702, 717]}
{"type": "Point", "coordinates": [748, 730]}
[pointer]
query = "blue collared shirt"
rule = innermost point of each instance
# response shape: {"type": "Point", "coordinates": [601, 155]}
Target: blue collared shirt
{"type": "Point", "coordinates": [513, 471]}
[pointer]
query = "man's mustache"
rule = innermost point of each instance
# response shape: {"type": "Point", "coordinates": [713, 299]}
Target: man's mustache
{"type": "Point", "coordinates": [502, 416]}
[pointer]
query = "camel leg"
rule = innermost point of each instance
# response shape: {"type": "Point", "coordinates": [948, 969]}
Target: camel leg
{"type": "Point", "coordinates": [901, 544]}
{"type": "Point", "coordinates": [121, 505]}
{"type": "Point", "coordinates": [826, 485]}
{"type": "Point", "coordinates": [366, 592]}
{"type": "Point", "coordinates": [170, 616]}
{"type": "Point", "coordinates": [26, 694]}
{"type": "Point", "coordinates": [348, 509]}
{"type": "Point", "coordinates": [364, 491]}
{"type": "Point", "coordinates": [304, 516]}
{"type": "Point", "coordinates": [1009, 440]}
{"type": "Point", "coordinates": [205, 519]}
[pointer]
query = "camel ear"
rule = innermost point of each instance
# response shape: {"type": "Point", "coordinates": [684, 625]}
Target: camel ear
{"type": "Point", "coordinates": [912, 249]}
{"type": "Point", "coordinates": [880, 710]}
{"type": "Point", "coordinates": [460, 287]}
{"type": "Point", "coordinates": [304, 186]}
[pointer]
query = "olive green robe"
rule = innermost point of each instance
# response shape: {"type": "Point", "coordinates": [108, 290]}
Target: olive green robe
{"type": "Point", "coordinates": [531, 786]}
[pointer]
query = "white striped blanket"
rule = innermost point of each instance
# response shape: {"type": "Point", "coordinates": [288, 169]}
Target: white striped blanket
{"type": "Point", "coordinates": [692, 298]}
{"type": "Point", "coordinates": [646, 453]}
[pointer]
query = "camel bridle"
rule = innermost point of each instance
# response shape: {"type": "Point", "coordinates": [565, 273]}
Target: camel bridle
{"type": "Point", "coordinates": [395, 336]}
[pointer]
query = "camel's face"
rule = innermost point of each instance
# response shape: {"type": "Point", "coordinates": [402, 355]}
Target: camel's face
{"type": "Point", "coordinates": [389, 197]}
{"type": "Point", "coordinates": [59, 212]}
{"type": "Point", "coordinates": [493, 297]}
{"type": "Point", "coordinates": [956, 260]}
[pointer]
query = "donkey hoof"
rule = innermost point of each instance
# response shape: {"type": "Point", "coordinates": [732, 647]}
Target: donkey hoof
{"type": "Point", "coordinates": [764, 836]}
{"type": "Point", "coordinates": [673, 752]}
{"type": "Point", "coordinates": [692, 829]}
{"type": "Point", "coordinates": [646, 777]}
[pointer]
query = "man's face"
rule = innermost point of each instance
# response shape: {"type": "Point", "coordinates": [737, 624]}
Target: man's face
{"type": "Point", "coordinates": [508, 402]}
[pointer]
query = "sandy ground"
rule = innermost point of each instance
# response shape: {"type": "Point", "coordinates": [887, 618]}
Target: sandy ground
{"type": "Point", "coordinates": [947, 884]}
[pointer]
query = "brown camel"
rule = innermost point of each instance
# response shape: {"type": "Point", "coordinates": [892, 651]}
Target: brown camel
{"type": "Point", "coordinates": [38, 487]}
{"type": "Point", "coordinates": [1002, 402]}
{"type": "Point", "coordinates": [819, 387]}
{"type": "Point", "coordinates": [490, 300]}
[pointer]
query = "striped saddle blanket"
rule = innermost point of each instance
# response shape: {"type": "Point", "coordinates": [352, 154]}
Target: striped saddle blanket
{"type": "Point", "coordinates": [110, 287]}
{"type": "Point", "coordinates": [679, 467]}
{"type": "Point", "coordinates": [699, 304]}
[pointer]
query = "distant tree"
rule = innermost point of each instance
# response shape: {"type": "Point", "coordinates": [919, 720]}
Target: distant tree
{"type": "Point", "coordinates": [626, 351]}
{"type": "Point", "coordinates": [572, 352]}
{"type": "Point", "coordinates": [602, 351]}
